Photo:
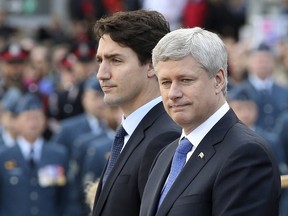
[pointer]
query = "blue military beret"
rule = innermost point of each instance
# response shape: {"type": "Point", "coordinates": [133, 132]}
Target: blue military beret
{"type": "Point", "coordinates": [93, 83]}
{"type": "Point", "coordinates": [10, 99]}
{"type": "Point", "coordinates": [28, 102]}
{"type": "Point", "coordinates": [263, 47]}
{"type": "Point", "coordinates": [243, 96]}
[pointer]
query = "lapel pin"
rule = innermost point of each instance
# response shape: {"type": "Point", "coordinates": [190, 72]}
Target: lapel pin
{"type": "Point", "coordinates": [201, 155]}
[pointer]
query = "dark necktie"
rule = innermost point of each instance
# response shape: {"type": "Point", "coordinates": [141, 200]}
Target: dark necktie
{"type": "Point", "coordinates": [31, 160]}
{"type": "Point", "coordinates": [265, 92]}
{"type": "Point", "coordinates": [178, 162]}
{"type": "Point", "coordinates": [115, 151]}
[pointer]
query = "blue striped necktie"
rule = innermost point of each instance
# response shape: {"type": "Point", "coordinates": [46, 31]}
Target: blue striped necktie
{"type": "Point", "coordinates": [178, 162]}
{"type": "Point", "coordinates": [115, 151]}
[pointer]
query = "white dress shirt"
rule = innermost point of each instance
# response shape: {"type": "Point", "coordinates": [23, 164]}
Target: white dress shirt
{"type": "Point", "coordinates": [131, 122]}
{"type": "Point", "coordinates": [197, 135]}
{"type": "Point", "coordinates": [26, 147]}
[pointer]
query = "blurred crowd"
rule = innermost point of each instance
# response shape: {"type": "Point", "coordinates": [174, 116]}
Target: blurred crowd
{"type": "Point", "coordinates": [57, 65]}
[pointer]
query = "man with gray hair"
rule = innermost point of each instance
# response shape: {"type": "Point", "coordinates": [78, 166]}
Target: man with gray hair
{"type": "Point", "coordinates": [218, 166]}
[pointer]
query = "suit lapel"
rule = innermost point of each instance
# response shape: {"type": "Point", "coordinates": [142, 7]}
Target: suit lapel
{"type": "Point", "coordinates": [189, 172]}
{"type": "Point", "coordinates": [135, 140]}
{"type": "Point", "coordinates": [196, 162]}
{"type": "Point", "coordinates": [160, 173]}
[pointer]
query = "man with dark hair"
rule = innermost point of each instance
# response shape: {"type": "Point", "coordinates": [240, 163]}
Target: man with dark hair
{"type": "Point", "coordinates": [128, 80]}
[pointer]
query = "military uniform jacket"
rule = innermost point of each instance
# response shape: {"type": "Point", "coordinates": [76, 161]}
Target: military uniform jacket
{"type": "Point", "coordinates": [271, 103]}
{"type": "Point", "coordinates": [70, 129]}
{"type": "Point", "coordinates": [25, 191]}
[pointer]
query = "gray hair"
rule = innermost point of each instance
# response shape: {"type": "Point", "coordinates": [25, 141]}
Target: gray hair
{"type": "Point", "coordinates": [204, 46]}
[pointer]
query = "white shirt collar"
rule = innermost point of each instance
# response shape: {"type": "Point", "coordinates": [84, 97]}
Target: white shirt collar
{"type": "Point", "coordinates": [261, 84]}
{"type": "Point", "coordinates": [131, 122]}
{"type": "Point", "coordinates": [93, 123]}
{"type": "Point", "coordinates": [25, 147]}
{"type": "Point", "coordinates": [196, 136]}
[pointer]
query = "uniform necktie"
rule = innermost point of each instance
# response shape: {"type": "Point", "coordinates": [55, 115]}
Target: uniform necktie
{"type": "Point", "coordinates": [115, 151]}
{"type": "Point", "coordinates": [31, 160]}
{"type": "Point", "coordinates": [178, 162]}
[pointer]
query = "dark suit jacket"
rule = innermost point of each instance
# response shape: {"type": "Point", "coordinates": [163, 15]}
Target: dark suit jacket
{"type": "Point", "coordinates": [123, 190]}
{"type": "Point", "coordinates": [237, 176]}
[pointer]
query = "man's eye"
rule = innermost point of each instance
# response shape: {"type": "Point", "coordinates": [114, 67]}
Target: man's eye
{"type": "Point", "coordinates": [116, 60]}
{"type": "Point", "coordinates": [98, 60]}
{"type": "Point", "coordinates": [165, 83]}
{"type": "Point", "coordinates": [186, 80]}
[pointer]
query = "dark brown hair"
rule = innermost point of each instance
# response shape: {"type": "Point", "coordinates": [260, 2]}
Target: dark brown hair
{"type": "Point", "coordinates": [139, 30]}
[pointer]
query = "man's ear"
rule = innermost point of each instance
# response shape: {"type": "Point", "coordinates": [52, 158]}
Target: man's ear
{"type": "Point", "coordinates": [151, 71]}
{"type": "Point", "coordinates": [219, 81]}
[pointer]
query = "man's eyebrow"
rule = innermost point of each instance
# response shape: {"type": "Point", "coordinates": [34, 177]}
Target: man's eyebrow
{"type": "Point", "coordinates": [108, 56]}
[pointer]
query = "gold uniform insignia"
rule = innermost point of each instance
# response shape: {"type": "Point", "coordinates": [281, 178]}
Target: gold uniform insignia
{"type": "Point", "coordinates": [10, 164]}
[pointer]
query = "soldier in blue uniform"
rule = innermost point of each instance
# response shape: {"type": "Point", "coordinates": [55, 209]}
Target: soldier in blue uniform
{"type": "Point", "coordinates": [272, 102]}
{"type": "Point", "coordinates": [90, 154]}
{"type": "Point", "coordinates": [89, 124]}
{"type": "Point", "coordinates": [247, 111]}
{"type": "Point", "coordinates": [91, 121]}
{"type": "Point", "coordinates": [270, 97]}
{"type": "Point", "coordinates": [33, 172]}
